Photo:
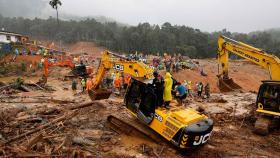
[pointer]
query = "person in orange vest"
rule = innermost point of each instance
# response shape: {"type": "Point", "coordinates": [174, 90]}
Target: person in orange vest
{"type": "Point", "coordinates": [117, 84]}
{"type": "Point", "coordinates": [89, 84]}
{"type": "Point", "coordinates": [126, 81]}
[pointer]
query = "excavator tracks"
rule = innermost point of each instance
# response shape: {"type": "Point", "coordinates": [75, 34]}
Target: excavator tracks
{"type": "Point", "coordinates": [132, 127]}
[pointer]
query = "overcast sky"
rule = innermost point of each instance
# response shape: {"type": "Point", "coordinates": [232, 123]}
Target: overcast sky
{"type": "Point", "coordinates": [207, 15]}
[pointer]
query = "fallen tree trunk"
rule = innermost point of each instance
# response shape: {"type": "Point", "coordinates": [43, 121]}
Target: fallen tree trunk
{"type": "Point", "coordinates": [24, 88]}
{"type": "Point", "coordinates": [38, 86]}
{"type": "Point", "coordinates": [87, 105]}
{"type": "Point", "coordinates": [64, 117]}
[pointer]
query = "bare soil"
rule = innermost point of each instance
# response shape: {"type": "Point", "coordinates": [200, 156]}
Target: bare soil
{"type": "Point", "coordinates": [88, 134]}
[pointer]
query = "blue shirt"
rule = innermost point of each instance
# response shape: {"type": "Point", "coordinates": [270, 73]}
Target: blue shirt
{"type": "Point", "coordinates": [182, 90]}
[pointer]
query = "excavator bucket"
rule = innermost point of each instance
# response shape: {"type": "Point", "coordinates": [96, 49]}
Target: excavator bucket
{"type": "Point", "coordinates": [228, 85]}
{"type": "Point", "coordinates": [99, 94]}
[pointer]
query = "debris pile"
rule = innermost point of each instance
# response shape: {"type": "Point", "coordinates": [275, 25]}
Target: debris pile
{"type": "Point", "coordinates": [46, 132]}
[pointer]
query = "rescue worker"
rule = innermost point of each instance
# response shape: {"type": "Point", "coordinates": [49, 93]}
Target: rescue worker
{"type": "Point", "coordinates": [45, 52]}
{"type": "Point", "coordinates": [88, 85]}
{"type": "Point", "coordinates": [189, 87]}
{"type": "Point", "coordinates": [126, 81]}
{"type": "Point", "coordinates": [113, 76]}
{"type": "Point", "coordinates": [199, 89]}
{"type": "Point", "coordinates": [83, 84]}
{"type": "Point", "coordinates": [182, 93]}
{"type": "Point", "coordinates": [167, 96]}
{"type": "Point", "coordinates": [121, 83]}
{"type": "Point", "coordinates": [158, 83]}
{"type": "Point", "coordinates": [117, 84]}
{"type": "Point", "coordinates": [74, 86]}
{"type": "Point", "coordinates": [207, 90]}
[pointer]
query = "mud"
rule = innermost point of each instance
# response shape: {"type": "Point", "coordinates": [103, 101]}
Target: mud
{"type": "Point", "coordinates": [90, 135]}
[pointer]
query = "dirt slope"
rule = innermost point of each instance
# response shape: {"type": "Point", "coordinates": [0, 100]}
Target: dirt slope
{"type": "Point", "coordinates": [85, 47]}
{"type": "Point", "coordinates": [247, 75]}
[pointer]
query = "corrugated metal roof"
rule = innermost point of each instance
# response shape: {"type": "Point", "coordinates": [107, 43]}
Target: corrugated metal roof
{"type": "Point", "coordinates": [11, 33]}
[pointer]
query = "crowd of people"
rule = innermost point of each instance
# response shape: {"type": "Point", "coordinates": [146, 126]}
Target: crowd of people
{"type": "Point", "coordinates": [167, 87]}
{"type": "Point", "coordinates": [116, 81]}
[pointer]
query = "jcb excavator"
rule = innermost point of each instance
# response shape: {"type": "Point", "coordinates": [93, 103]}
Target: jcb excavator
{"type": "Point", "coordinates": [268, 100]}
{"type": "Point", "coordinates": [184, 127]}
{"type": "Point", "coordinates": [77, 70]}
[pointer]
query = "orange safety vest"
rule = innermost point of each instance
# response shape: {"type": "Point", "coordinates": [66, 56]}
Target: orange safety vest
{"type": "Point", "coordinates": [117, 83]}
{"type": "Point", "coordinates": [89, 85]}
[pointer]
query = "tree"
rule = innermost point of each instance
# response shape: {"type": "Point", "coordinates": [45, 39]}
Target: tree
{"type": "Point", "coordinates": [54, 4]}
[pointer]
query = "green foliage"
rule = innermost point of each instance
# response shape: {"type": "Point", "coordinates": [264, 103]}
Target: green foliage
{"type": "Point", "coordinates": [55, 3]}
{"type": "Point", "coordinates": [146, 38]}
{"type": "Point", "coordinates": [18, 83]}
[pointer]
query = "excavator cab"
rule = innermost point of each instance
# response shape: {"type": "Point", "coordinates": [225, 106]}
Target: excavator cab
{"type": "Point", "coordinates": [141, 99]}
{"type": "Point", "coordinates": [268, 107]}
{"type": "Point", "coordinates": [268, 99]}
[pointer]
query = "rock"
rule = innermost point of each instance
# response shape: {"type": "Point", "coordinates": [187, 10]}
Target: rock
{"type": "Point", "coordinates": [21, 114]}
{"type": "Point", "coordinates": [20, 107]}
{"type": "Point", "coordinates": [106, 148]}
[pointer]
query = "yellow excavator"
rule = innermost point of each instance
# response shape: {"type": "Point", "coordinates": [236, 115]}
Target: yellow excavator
{"type": "Point", "coordinates": [184, 127]}
{"type": "Point", "coordinates": [113, 61]}
{"type": "Point", "coordinates": [268, 99]}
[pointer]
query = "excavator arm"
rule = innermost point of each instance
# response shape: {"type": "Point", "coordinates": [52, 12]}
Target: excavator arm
{"type": "Point", "coordinates": [111, 60]}
{"type": "Point", "coordinates": [256, 55]}
{"type": "Point", "coordinates": [47, 65]}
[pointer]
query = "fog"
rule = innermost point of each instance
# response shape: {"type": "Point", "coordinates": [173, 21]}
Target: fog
{"type": "Point", "coordinates": [207, 15]}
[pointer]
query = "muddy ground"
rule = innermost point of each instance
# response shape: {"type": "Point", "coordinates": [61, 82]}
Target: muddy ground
{"type": "Point", "coordinates": [84, 132]}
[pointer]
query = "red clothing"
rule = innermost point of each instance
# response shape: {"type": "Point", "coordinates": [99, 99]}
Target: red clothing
{"type": "Point", "coordinates": [117, 83]}
{"type": "Point", "coordinates": [127, 79]}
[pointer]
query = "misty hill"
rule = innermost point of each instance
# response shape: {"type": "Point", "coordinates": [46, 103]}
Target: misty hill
{"type": "Point", "coordinates": [144, 37]}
